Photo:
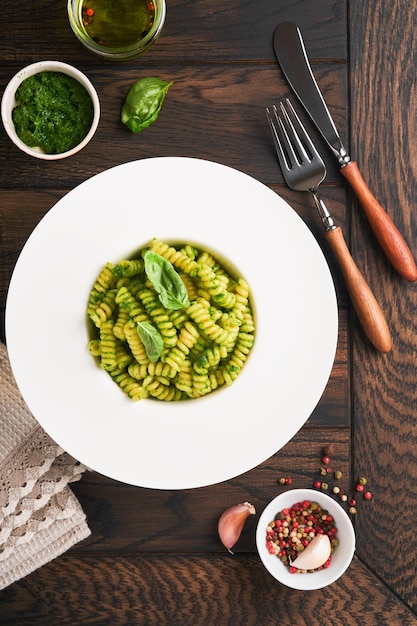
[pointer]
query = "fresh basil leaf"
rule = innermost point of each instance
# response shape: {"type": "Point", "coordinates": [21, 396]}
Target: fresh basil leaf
{"type": "Point", "coordinates": [143, 103]}
{"type": "Point", "coordinates": [151, 339]}
{"type": "Point", "coordinates": [166, 281]}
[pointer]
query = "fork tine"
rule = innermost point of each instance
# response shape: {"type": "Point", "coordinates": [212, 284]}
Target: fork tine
{"type": "Point", "coordinates": [292, 139]}
{"type": "Point", "coordinates": [301, 164]}
{"type": "Point", "coordinates": [278, 136]}
{"type": "Point", "coordinates": [298, 132]}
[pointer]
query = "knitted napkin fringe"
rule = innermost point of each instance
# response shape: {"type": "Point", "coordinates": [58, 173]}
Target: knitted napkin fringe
{"type": "Point", "coordinates": [47, 544]}
{"type": "Point", "coordinates": [40, 518]}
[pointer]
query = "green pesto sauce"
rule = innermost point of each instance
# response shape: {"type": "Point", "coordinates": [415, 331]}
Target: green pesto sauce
{"type": "Point", "coordinates": [54, 112]}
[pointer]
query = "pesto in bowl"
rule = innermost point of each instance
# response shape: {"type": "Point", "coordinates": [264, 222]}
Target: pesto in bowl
{"type": "Point", "coordinates": [54, 112]}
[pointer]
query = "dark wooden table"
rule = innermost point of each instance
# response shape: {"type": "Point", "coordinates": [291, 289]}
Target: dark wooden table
{"type": "Point", "coordinates": [154, 557]}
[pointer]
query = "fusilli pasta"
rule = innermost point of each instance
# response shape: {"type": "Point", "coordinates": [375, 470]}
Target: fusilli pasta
{"type": "Point", "coordinates": [200, 347]}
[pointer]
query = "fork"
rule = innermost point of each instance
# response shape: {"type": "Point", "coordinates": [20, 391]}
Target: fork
{"type": "Point", "coordinates": [304, 170]}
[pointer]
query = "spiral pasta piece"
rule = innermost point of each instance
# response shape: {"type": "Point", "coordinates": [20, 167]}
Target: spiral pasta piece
{"type": "Point", "coordinates": [190, 251]}
{"type": "Point", "coordinates": [135, 344]}
{"type": "Point", "coordinates": [159, 390]}
{"type": "Point", "coordinates": [215, 285]}
{"type": "Point", "coordinates": [128, 268]}
{"type": "Point", "coordinates": [138, 370]}
{"type": "Point", "coordinates": [241, 300]}
{"type": "Point", "coordinates": [129, 385]}
{"type": "Point", "coordinates": [119, 326]}
{"type": "Point", "coordinates": [101, 285]}
{"type": "Point", "coordinates": [205, 258]}
{"type": "Point", "coordinates": [105, 309]}
{"type": "Point", "coordinates": [176, 257]}
{"type": "Point", "coordinates": [189, 285]}
{"type": "Point", "coordinates": [178, 318]}
{"type": "Point", "coordinates": [186, 340]}
{"type": "Point", "coordinates": [127, 301]}
{"type": "Point", "coordinates": [108, 346]}
{"type": "Point", "coordinates": [123, 356]}
{"type": "Point", "coordinates": [202, 318]}
{"type": "Point", "coordinates": [210, 359]}
{"type": "Point", "coordinates": [184, 379]}
{"type": "Point", "coordinates": [162, 370]}
{"type": "Point", "coordinates": [201, 384]}
{"type": "Point", "coordinates": [238, 357]}
{"type": "Point", "coordinates": [248, 323]}
{"type": "Point", "coordinates": [94, 347]}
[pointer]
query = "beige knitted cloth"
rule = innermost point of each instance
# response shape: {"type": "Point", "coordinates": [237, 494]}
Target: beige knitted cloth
{"type": "Point", "coordinates": [40, 518]}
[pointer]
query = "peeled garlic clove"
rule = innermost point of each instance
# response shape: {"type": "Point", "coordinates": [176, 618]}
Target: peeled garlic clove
{"type": "Point", "coordinates": [231, 523]}
{"type": "Point", "coordinates": [315, 554]}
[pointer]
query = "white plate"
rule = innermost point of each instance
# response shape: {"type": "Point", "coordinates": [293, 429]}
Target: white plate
{"type": "Point", "coordinates": [153, 443]}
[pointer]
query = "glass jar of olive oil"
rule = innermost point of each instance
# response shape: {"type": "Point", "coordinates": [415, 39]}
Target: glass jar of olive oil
{"type": "Point", "coordinates": [117, 29]}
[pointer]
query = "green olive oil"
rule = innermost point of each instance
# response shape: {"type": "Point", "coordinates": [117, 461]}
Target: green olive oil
{"type": "Point", "coordinates": [117, 23]}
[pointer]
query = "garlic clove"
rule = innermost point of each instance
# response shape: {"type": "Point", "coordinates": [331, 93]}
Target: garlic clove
{"type": "Point", "coordinates": [315, 554]}
{"type": "Point", "coordinates": [231, 523]}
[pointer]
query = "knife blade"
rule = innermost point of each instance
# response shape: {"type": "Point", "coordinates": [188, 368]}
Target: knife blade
{"type": "Point", "coordinates": [292, 56]}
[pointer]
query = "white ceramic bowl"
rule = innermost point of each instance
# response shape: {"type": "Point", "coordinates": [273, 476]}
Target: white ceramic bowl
{"type": "Point", "coordinates": [341, 557]}
{"type": "Point", "coordinates": [8, 103]}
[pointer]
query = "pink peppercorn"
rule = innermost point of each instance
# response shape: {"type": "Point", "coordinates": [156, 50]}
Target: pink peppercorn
{"type": "Point", "coordinates": [359, 487]}
{"type": "Point", "coordinates": [317, 484]}
{"type": "Point", "coordinates": [367, 495]}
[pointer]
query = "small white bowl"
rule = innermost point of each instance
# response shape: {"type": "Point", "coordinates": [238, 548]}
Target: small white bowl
{"type": "Point", "coordinates": [8, 103]}
{"type": "Point", "coordinates": [341, 557]}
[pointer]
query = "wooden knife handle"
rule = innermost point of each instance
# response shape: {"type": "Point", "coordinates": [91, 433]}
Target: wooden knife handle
{"type": "Point", "coordinates": [367, 308]}
{"type": "Point", "coordinates": [387, 234]}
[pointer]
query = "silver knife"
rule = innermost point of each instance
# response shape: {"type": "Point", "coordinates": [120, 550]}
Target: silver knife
{"type": "Point", "coordinates": [292, 57]}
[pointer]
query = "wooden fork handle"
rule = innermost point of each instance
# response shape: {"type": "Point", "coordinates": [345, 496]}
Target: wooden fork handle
{"type": "Point", "coordinates": [367, 308]}
{"type": "Point", "coordinates": [387, 234]}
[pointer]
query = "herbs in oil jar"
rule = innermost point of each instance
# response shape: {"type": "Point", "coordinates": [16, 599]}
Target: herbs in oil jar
{"type": "Point", "coordinates": [117, 23]}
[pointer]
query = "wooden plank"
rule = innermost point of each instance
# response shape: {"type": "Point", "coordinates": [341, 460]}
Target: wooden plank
{"type": "Point", "coordinates": [242, 31]}
{"type": "Point", "coordinates": [385, 388]}
{"type": "Point", "coordinates": [162, 590]}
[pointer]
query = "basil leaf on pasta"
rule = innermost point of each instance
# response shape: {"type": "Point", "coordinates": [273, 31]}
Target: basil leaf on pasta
{"type": "Point", "coordinates": [166, 281]}
{"type": "Point", "coordinates": [151, 339]}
